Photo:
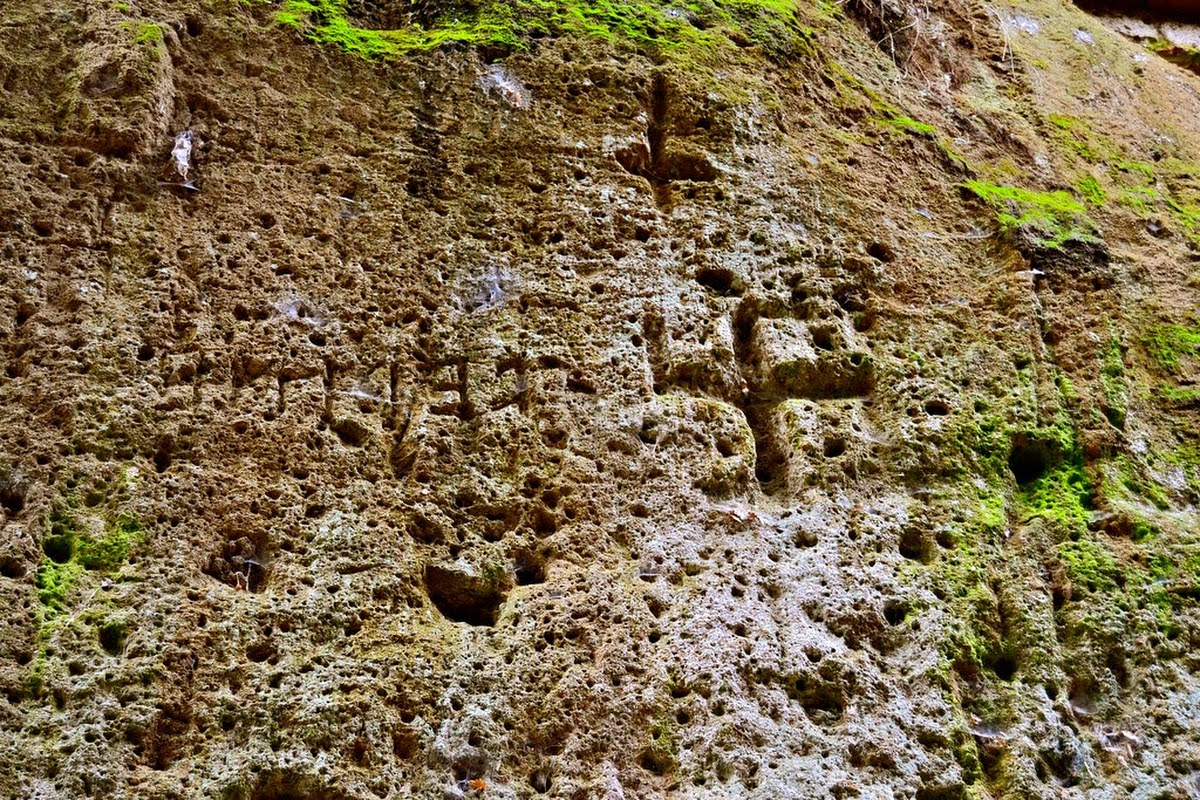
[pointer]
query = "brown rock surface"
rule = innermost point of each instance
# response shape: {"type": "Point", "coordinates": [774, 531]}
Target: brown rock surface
{"type": "Point", "coordinates": [598, 422]}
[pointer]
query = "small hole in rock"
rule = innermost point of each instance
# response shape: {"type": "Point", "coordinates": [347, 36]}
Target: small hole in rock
{"type": "Point", "coordinates": [719, 280]}
{"type": "Point", "coordinates": [894, 612]}
{"type": "Point", "coordinates": [112, 638]}
{"type": "Point", "coordinates": [913, 546]}
{"type": "Point", "coordinates": [880, 251]}
{"type": "Point", "coordinates": [937, 408]}
{"type": "Point", "coordinates": [540, 782]}
{"type": "Point", "coordinates": [1028, 459]}
{"type": "Point", "coordinates": [822, 338]}
{"type": "Point", "coordinates": [1005, 666]}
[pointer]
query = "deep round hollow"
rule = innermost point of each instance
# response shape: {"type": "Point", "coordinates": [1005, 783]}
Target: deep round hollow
{"type": "Point", "coordinates": [1005, 667]}
{"type": "Point", "coordinates": [529, 570]}
{"type": "Point", "coordinates": [59, 549]}
{"type": "Point", "coordinates": [822, 338]}
{"type": "Point", "coordinates": [464, 597]}
{"type": "Point", "coordinates": [937, 408]}
{"type": "Point", "coordinates": [112, 638]}
{"type": "Point", "coordinates": [880, 251]}
{"type": "Point", "coordinates": [913, 546]}
{"type": "Point", "coordinates": [1027, 460]}
{"type": "Point", "coordinates": [834, 447]}
{"type": "Point", "coordinates": [716, 279]}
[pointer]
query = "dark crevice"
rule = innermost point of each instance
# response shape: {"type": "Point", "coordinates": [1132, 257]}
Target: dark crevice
{"type": "Point", "coordinates": [464, 597]}
{"type": "Point", "coordinates": [756, 404]}
{"type": "Point", "coordinates": [1028, 459]}
{"type": "Point", "coordinates": [719, 280]}
{"type": "Point", "coordinates": [652, 159]}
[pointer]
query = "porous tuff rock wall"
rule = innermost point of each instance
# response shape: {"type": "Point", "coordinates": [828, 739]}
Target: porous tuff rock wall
{"type": "Point", "coordinates": [599, 423]}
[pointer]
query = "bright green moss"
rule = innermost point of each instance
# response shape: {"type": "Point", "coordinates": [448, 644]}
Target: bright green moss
{"type": "Point", "coordinates": [911, 126]}
{"type": "Point", "coordinates": [1053, 218]}
{"type": "Point", "coordinates": [1168, 344]}
{"type": "Point", "coordinates": [1066, 388]}
{"type": "Point", "coordinates": [112, 551]}
{"type": "Point", "coordinates": [1142, 530]}
{"type": "Point", "coordinates": [1052, 481]}
{"type": "Point", "coordinates": [829, 10]}
{"type": "Point", "coordinates": [1064, 122]}
{"type": "Point", "coordinates": [1090, 190]}
{"type": "Point", "coordinates": [144, 33]}
{"type": "Point", "coordinates": [69, 552]}
{"type": "Point", "coordinates": [1063, 494]}
{"type": "Point", "coordinates": [1186, 397]}
{"type": "Point", "coordinates": [1186, 215]}
{"type": "Point", "coordinates": [1075, 133]}
{"type": "Point", "coordinates": [697, 26]}
{"type": "Point", "coordinates": [1136, 170]}
{"type": "Point", "coordinates": [325, 21]}
{"type": "Point", "coordinates": [1141, 199]}
{"type": "Point", "coordinates": [992, 514]}
{"type": "Point", "coordinates": [148, 34]}
{"type": "Point", "coordinates": [54, 582]}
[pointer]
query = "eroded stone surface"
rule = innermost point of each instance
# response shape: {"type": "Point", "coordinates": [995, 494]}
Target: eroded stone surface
{"type": "Point", "coordinates": [679, 430]}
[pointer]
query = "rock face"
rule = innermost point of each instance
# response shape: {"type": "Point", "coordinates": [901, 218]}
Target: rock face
{"type": "Point", "coordinates": [745, 401]}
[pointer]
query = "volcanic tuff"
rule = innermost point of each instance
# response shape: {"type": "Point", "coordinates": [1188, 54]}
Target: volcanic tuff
{"type": "Point", "coordinates": [722, 399]}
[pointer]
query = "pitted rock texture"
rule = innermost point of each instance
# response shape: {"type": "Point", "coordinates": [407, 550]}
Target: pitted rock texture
{"type": "Point", "coordinates": [601, 423]}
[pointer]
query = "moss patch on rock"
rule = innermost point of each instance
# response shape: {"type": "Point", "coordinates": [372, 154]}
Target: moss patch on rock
{"type": "Point", "coordinates": [70, 550]}
{"type": "Point", "coordinates": [1050, 218]}
{"type": "Point", "coordinates": [697, 28]}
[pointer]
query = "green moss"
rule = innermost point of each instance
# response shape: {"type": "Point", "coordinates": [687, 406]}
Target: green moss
{"type": "Point", "coordinates": [1057, 486]}
{"type": "Point", "coordinates": [1089, 565]}
{"type": "Point", "coordinates": [1185, 397]}
{"type": "Point", "coordinates": [1063, 494]}
{"type": "Point", "coordinates": [1064, 122]}
{"type": "Point", "coordinates": [1182, 55]}
{"type": "Point", "coordinates": [325, 21]}
{"type": "Point", "coordinates": [1066, 388]}
{"type": "Point", "coordinates": [992, 513]}
{"type": "Point", "coordinates": [1090, 190]}
{"type": "Point", "coordinates": [1137, 170]}
{"type": "Point", "coordinates": [109, 553]}
{"type": "Point", "coordinates": [69, 552]}
{"type": "Point", "coordinates": [1052, 218]}
{"type": "Point", "coordinates": [1113, 385]}
{"type": "Point", "coordinates": [695, 26]}
{"type": "Point", "coordinates": [911, 126]}
{"type": "Point", "coordinates": [982, 445]}
{"type": "Point", "coordinates": [54, 582]}
{"type": "Point", "coordinates": [1168, 344]}
{"type": "Point", "coordinates": [1141, 199]}
{"type": "Point", "coordinates": [829, 10]}
{"type": "Point", "coordinates": [660, 756]}
{"type": "Point", "coordinates": [1186, 215]}
{"type": "Point", "coordinates": [144, 33]}
{"type": "Point", "coordinates": [1076, 134]}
